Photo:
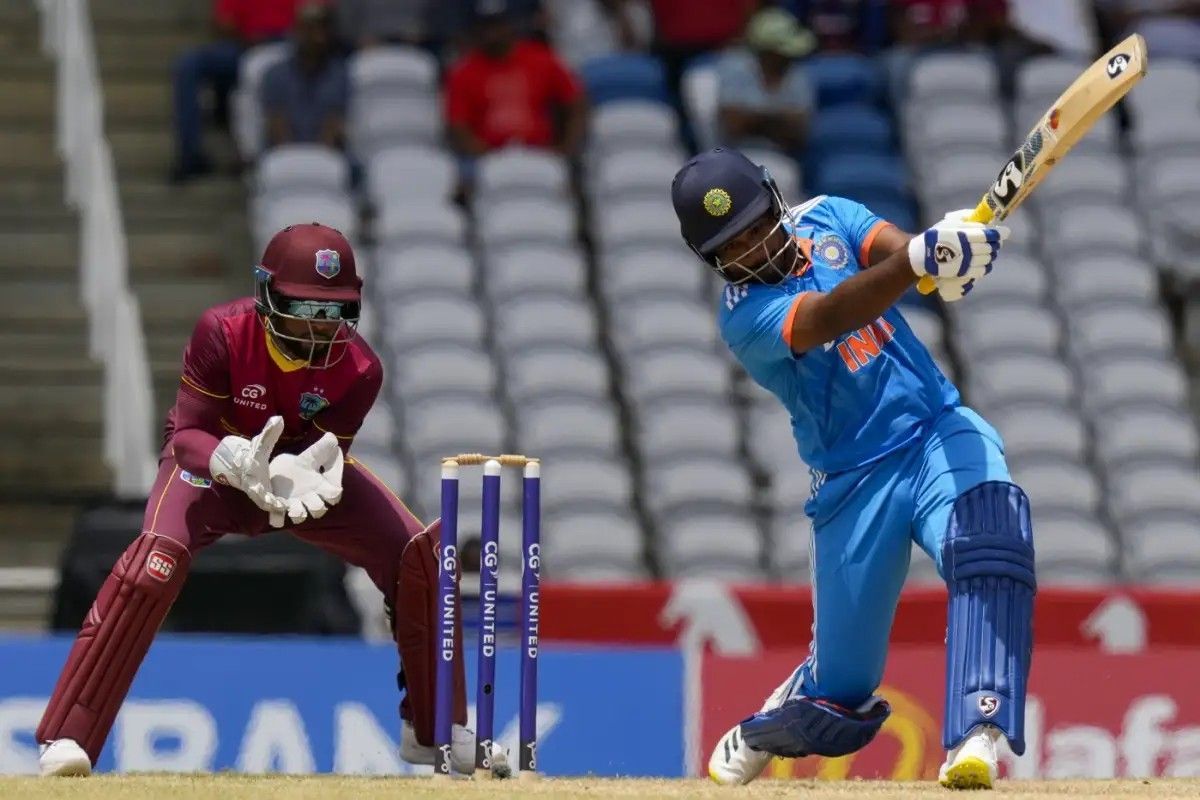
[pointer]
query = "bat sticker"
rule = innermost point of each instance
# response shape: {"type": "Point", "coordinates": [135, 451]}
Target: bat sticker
{"type": "Point", "coordinates": [1117, 64]}
{"type": "Point", "coordinates": [1009, 181]}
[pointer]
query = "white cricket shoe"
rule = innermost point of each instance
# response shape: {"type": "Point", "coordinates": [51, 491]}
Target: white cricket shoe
{"type": "Point", "coordinates": [63, 757]}
{"type": "Point", "coordinates": [462, 751]}
{"type": "Point", "coordinates": [972, 765]}
{"type": "Point", "coordinates": [732, 762]}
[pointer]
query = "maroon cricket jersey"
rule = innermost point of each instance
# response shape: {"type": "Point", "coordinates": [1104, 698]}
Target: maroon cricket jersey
{"type": "Point", "coordinates": [235, 378]}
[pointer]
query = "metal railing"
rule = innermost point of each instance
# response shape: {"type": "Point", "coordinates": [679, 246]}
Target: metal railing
{"type": "Point", "coordinates": [115, 330]}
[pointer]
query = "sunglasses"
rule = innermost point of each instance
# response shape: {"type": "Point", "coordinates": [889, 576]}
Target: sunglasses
{"type": "Point", "coordinates": [319, 309]}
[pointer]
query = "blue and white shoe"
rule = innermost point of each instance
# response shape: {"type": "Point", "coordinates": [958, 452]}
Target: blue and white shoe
{"type": "Point", "coordinates": [733, 762]}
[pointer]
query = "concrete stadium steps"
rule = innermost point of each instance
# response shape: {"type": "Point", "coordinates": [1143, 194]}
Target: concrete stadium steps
{"type": "Point", "coordinates": [32, 535]}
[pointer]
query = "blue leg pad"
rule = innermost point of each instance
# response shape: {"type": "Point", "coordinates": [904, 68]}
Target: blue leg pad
{"type": "Point", "coordinates": [987, 559]}
{"type": "Point", "coordinates": [803, 726]}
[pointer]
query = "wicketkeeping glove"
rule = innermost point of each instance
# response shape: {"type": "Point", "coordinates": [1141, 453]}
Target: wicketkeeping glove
{"type": "Point", "coordinates": [243, 464]}
{"type": "Point", "coordinates": [309, 483]}
{"type": "Point", "coordinates": [954, 248]}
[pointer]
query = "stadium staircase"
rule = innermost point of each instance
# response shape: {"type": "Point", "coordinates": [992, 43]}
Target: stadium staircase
{"type": "Point", "coordinates": [188, 245]}
{"type": "Point", "coordinates": [52, 423]}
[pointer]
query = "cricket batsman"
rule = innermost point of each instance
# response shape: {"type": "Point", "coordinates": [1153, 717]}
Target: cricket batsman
{"type": "Point", "coordinates": [273, 390]}
{"type": "Point", "coordinates": [809, 310]}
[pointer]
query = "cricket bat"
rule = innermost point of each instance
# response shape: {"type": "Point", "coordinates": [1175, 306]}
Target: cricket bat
{"type": "Point", "coordinates": [1066, 122]}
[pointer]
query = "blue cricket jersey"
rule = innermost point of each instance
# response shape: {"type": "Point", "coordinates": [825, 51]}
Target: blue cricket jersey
{"type": "Point", "coordinates": [859, 397]}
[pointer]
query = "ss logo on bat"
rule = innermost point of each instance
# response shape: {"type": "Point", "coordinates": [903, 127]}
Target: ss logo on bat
{"type": "Point", "coordinates": [1009, 181]}
{"type": "Point", "coordinates": [1117, 64]}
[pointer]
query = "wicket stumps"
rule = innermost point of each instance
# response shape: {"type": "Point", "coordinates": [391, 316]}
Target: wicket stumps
{"type": "Point", "coordinates": [489, 564]}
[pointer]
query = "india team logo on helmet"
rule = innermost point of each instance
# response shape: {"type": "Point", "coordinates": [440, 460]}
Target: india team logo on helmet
{"type": "Point", "coordinates": [717, 202]}
{"type": "Point", "coordinates": [832, 250]}
{"type": "Point", "coordinates": [329, 263]}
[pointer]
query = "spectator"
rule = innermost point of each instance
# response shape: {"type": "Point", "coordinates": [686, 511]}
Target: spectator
{"type": "Point", "coordinates": [764, 97]}
{"type": "Point", "coordinates": [304, 97]}
{"type": "Point", "coordinates": [1171, 27]}
{"type": "Point", "coordinates": [239, 24]}
{"type": "Point", "coordinates": [682, 33]}
{"type": "Point", "coordinates": [508, 91]}
{"type": "Point", "coordinates": [845, 26]}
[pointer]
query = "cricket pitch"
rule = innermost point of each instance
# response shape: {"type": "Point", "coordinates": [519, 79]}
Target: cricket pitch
{"type": "Point", "coordinates": [269, 787]}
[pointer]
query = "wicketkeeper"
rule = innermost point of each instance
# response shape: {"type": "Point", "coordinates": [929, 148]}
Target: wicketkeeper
{"type": "Point", "coordinates": [809, 310]}
{"type": "Point", "coordinates": [274, 388]}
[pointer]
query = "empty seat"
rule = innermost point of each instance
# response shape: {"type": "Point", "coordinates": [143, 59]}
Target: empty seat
{"type": "Point", "coordinates": [402, 270]}
{"type": "Point", "coordinates": [698, 481]}
{"type": "Point", "coordinates": [1154, 491]}
{"type": "Point", "coordinates": [628, 273]}
{"type": "Point", "coordinates": [1105, 332]}
{"type": "Point", "coordinates": [1085, 177]}
{"type": "Point", "coordinates": [434, 317]}
{"type": "Point", "coordinates": [927, 326]}
{"type": "Point", "coordinates": [791, 547]}
{"type": "Point", "coordinates": [1041, 79]}
{"type": "Point", "coordinates": [972, 76]}
{"type": "Point", "coordinates": [1000, 382]}
{"type": "Point", "coordinates": [1005, 328]}
{"type": "Point", "coordinates": [444, 369]}
{"type": "Point", "coordinates": [247, 118]}
{"type": "Point", "coordinates": [386, 468]}
{"type": "Point", "coordinates": [725, 546]}
{"type": "Point", "coordinates": [1128, 382]}
{"type": "Point", "coordinates": [377, 73]}
{"type": "Point", "coordinates": [790, 485]}
{"type": "Point", "coordinates": [937, 126]}
{"type": "Point", "coordinates": [1040, 430]}
{"type": "Point", "coordinates": [1174, 133]}
{"type": "Point", "coordinates": [770, 438]}
{"type": "Point", "coordinates": [781, 167]}
{"type": "Point", "coordinates": [851, 129]}
{"type": "Point", "coordinates": [1098, 227]}
{"type": "Point", "coordinates": [577, 484]}
{"type": "Point", "coordinates": [1171, 84]}
{"type": "Point", "coordinates": [844, 78]}
{"type": "Point", "coordinates": [393, 172]}
{"type": "Point", "coordinates": [678, 372]}
{"type": "Point", "coordinates": [700, 91]}
{"type": "Point", "coordinates": [624, 77]}
{"type": "Point", "coordinates": [1072, 539]}
{"type": "Point", "coordinates": [636, 221]}
{"type": "Point", "coordinates": [630, 174]}
{"type": "Point", "coordinates": [511, 172]}
{"type": "Point", "coordinates": [373, 127]}
{"type": "Point", "coordinates": [1104, 280]}
{"type": "Point", "coordinates": [678, 428]}
{"type": "Point", "coordinates": [378, 430]}
{"type": "Point", "coordinates": [1167, 180]}
{"type": "Point", "coordinates": [452, 424]}
{"type": "Point", "coordinates": [535, 268]}
{"type": "Point", "coordinates": [524, 321]}
{"type": "Point", "coordinates": [660, 322]}
{"type": "Point", "coordinates": [862, 175]}
{"type": "Point", "coordinates": [632, 123]}
{"type": "Point", "coordinates": [276, 212]}
{"type": "Point", "coordinates": [527, 221]}
{"type": "Point", "coordinates": [1130, 435]}
{"type": "Point", "coordinates": [1018, 278]}
{"type": "Point", "coordinates": [427, 223]}
{"type": "Point", "coordinates": [569, 424]}
{"type": "Point", "coordinates": [1158, 545]}
{"type": "Point", "coordinates": [1059, 486]}
{"type": "Point", "coordinates": [555, 368]}
{"type": "Point", "coordinates": [302, 168]}
{"type": "Point", "coordinates": [608, 538]}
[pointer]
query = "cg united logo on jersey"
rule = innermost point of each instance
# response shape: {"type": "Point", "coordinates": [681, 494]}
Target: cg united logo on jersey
{"type": "Point", "coordinates": [832, 250]}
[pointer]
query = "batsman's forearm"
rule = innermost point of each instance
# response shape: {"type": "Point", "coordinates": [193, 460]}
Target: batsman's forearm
{"type": "Point", "coordinates": [854, 303]}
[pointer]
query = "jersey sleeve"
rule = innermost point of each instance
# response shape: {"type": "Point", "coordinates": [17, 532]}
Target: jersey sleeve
{"type": "Point", "coordinates": [206, 360]}
{"type": "Point", "coordinates": [858, 224]}
{"type": "Point", "coordinates": [756, 323]}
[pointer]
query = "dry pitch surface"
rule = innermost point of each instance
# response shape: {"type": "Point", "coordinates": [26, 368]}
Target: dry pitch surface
{"type": "Point", "coordinates": [235, 787]}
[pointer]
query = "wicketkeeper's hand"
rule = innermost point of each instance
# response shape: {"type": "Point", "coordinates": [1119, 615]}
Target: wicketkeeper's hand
{"type": "Point", "coordinates": [243, 464]}
{"type": "Point", "coordinates": [310, 483]}
{"type": "Point", "coordinates": [955, 248]}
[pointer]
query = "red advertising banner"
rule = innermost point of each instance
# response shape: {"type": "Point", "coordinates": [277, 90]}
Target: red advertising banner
{"type": "Point", "coordinates": [1089, 715]}
{"type": "Point", "coordinates": [746, 619]}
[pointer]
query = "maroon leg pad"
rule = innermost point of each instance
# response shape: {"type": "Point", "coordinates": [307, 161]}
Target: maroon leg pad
{"type": "Point", "coordinates": [114, 639]}
{"type": "Point", "coordinates": [414, 626]}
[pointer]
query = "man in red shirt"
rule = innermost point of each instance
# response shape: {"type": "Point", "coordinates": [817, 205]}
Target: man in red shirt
{"type": "Point", "coordinates": [507, 91]}
{"type": "Point", "coordinates": [284, 371]}
{"type": "Point", "coordinates": [239, 24]}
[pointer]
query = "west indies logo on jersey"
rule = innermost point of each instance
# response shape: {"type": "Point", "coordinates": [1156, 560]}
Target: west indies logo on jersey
{"type": "Point", "coordinates": [832, 250]}
{"type": "Point", "coordinates": [329, 263]}
{"type": "Point", "coordinates": [311, 404]}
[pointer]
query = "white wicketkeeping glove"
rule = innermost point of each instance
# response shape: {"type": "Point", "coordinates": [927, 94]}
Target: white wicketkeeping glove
{"type": "Point", "coordinates": [309, 483]}
{"type": "Point", "coordinates": [243, 464]}
{"type": "Point", "coordinates": [955, 248]}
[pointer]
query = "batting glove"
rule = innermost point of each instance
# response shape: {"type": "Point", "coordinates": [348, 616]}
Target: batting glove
{"type": "Point", "coordinates": [955, 248]}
